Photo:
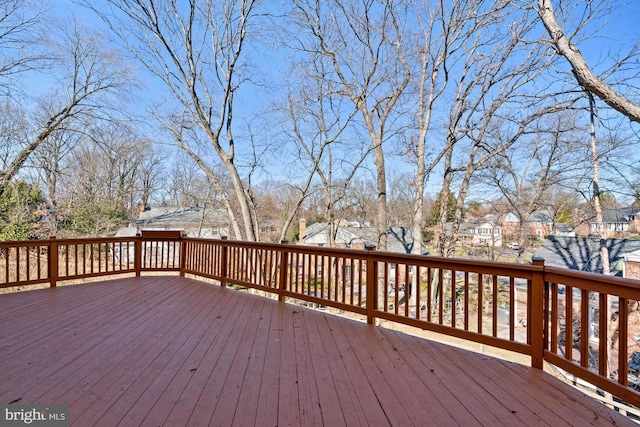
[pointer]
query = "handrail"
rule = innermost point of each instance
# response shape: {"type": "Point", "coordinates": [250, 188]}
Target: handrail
{"type": "Point", "coordinates": [517, 307]}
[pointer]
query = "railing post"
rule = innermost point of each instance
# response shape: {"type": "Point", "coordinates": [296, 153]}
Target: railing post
{"type": "Point", "coordinates": [53, 262]}
{"type": "Point", "coordinates": [284, 263]}
{"type": "Point", "coordinates": [223, 262]}
{"type": "Point", "coordinates": [137, 253]}
{"type": "Point", "coordinates": [372, 286]}
{"type": "Point", "coordinates": [183, 254]}
{"type": "Point", "coordinates": [536, 323]}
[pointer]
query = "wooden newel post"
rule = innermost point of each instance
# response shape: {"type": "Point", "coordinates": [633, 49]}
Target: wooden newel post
{"type": "Point", "coordinates": [53, 262]}
{"type": "Point", "coordinates": [224, 262]}
{"type": "Point", "coordinates": [372, 285]}
{"type": "Point", "coordinates": [537, 325]}
{"type": "Point", "coordinates": [284, 263]}
{"type": "Point", "coordinates": [137, 254]}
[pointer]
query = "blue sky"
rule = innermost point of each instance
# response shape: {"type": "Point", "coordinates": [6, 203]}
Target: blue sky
{"type": "Point", "coordinates": [619, 32]}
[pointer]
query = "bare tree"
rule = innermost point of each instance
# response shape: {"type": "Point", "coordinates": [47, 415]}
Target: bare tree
{"type": "Point", "coordinates": [526, 173]}
{"type": "Point", "coordinates": [51, 162]}
{"type": "Point", "coordinates": [90, 73]}
{"type": "Point", "coordinates": [320, 126]}
{"type": "Point", "coordinates": [185, 183]}
{"type": "Point", "coordinates": [596, 199]}
{"type": "Point", "coordinates": [196, 49]}
{"type": "Point", "coordinates": [496, 95]}
{"type": "Point", "coordinates": [581, 70]}
{"type": "Point", "coordinates": [20, 36]}
{"type": "Point", "coordinates": [445, 31]}
{"type": "Point", "coordinates": [102, 187]}
{"type": "Point", "coordinates": [364, 44]}
{"type": "Point", "coordinates": [149, 176]}
{"type": "Point", "coordinates": [360, 201]}
{"type": "Point", "coordinates": [14, 129]}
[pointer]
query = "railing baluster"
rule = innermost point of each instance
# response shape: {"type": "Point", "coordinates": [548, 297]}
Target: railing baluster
{"type": "Point", "coordinates": [18, 279]}
{"type": "Point", "coordinates": [494, 309]}
{"type": "Point", "coordinates": [584, 328]}
{"type": "Point", "coordinates": [417, 290]}
{"type": "Point", "coordinates": [396, 286]}
{"type": "Point", "coordinates": [480, 308]}
{"type": "Point", "coordinates": [39, 256]}
{"type": "Point", "coordinates": [454, 302]}
{"type": "Point", "coordinates": [512, 309]}
{"type": "Point", "coordinates": [568, 324]}
{"type": "Point", "coordinates": [466, 300]}
{"type": "Point", "coordinates": [7, 262]}
{"type": "Point", "coordinates": [623, 345]}
{"type": "Point", "coordinates": [28, 257]}
{"type": "Point", "coordinates": [603, 328]}
{"type": "Point", "coordinates": [407, 291]}
{"type": "Point", "coordinates": [429, 301]}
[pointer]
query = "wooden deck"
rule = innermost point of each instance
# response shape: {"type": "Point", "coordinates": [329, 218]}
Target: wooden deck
{"type": "Point", "coordinates": [173, 351]}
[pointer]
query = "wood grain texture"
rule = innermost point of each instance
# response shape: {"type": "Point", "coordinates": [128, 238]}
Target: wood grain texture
{"type": "Point", "coordinates": [168, 350]}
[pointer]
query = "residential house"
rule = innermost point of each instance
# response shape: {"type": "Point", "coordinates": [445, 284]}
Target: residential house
{"type": "Point", "coordinates": [618, 223]}
{"type": "Point", "coordinates": [538, 225]}
{"type": "Point", "coordinates": [485, 232]}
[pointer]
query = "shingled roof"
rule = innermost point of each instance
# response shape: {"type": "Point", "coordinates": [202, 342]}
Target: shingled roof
{"type": "Point", "coordinates": [194, 221]}
{"type": "Point", "coordinates": [583, 253]}
{"type": "Point", "coordinates": [399, 239]}
{"type": "Point", "coordinates": [620, 215]}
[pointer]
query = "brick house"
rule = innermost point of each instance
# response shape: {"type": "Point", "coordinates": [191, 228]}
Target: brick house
{"type": "Point", "coordinates": [538, 225]}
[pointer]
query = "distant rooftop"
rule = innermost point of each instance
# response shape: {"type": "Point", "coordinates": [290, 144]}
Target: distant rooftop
{"type": "Point", "coordinates": [399, 239]}
{"type": "Point", "coordinates": [195, 221]}
{"type": "Point", "coordinates": [583, 253]}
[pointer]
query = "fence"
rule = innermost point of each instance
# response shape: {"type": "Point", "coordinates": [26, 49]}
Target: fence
{"type": "Point", "coordinates": [521, 308]}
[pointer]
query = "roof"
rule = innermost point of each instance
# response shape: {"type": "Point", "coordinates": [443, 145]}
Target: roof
{"type": "Point", "coordinates": [620, 215]}
{"type": "Point", "coordinates": [195, 221]}
{"type": "Point", "coordinates": [537, 216]}
{"type": "Point", "coordinates": [540, 216]}
{"type": "Point", "coordinates": [399, 239]}
{"type": "Point", "coordinates": [583, 253]}
{"type": "Point", "coordinates": [177, 216]}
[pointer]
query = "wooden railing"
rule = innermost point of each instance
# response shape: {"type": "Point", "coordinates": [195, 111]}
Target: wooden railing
{"type": "Point", "coordinates": [521, 308]}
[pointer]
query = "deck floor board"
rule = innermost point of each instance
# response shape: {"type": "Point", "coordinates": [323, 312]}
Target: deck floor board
{"type": "Point", "coordinates": [167, 350]}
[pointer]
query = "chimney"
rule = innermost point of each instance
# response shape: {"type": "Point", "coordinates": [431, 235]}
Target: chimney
{"type": "Point", "coordinates": [141, 208]}
{"type": "Point", "coordinates": [303, 231]}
